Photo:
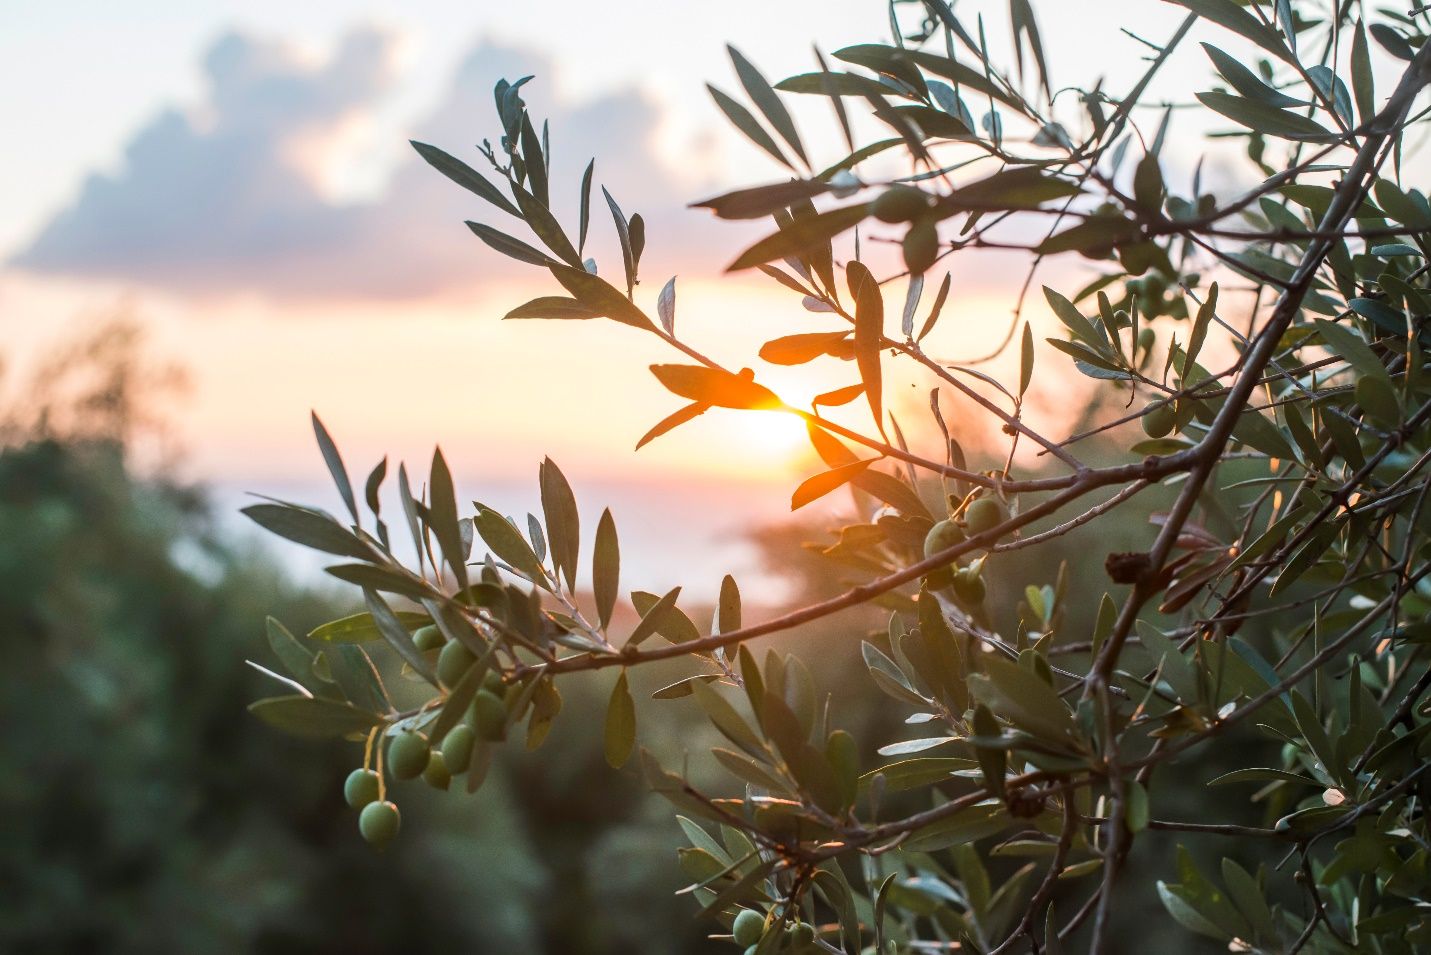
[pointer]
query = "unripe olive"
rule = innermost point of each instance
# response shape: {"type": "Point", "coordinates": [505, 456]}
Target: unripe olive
{"type": "Point", "coordinates": [1146, 338]}
{"type": "Point", "coordinates": [360, 788]}
{"type": "Point", "coordinates": [800, 936]}
{"type": "Point", "coordinates": [1121, 318]}
{"type": "Point", "coordinates": [1159, 420]}
{"type": "Point", "coordinates": [899, 203]}
{"type": "Point", "coordinates": [942, 536]}
{"type": "Point", "coordinates": [969, 587]}
{"type": "Point", "coordinates": [983, 515]}
{"type": "Point", "coordinates": [489, 713]}
{"type": "Point", "coordinates": [379, 823]}
{"type": "Point", "coordinates": [921, 246]}
{"type": "Point", "coordinates": [436, 774]}
{"type": "Point", "coordinates": [428, 638]}
{"type": "Point", "coordinates": [407, 755]}
{"type": "Point", "coordinates": [492, 680]}
{"type": "Point", "coordinates": [457, 748]}
{"type": "Point", "coordinates": [452, 662]}
{"type": "Point", "coordinates": [749, 925]}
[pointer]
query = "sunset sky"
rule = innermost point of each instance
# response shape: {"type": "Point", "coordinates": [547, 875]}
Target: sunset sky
{"type": "Point", "coordinates": [238, 175]}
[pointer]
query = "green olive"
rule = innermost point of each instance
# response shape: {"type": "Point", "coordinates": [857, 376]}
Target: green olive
{"type": "Point", "coordinates": [942, 536]}
{"type": "Point", "coordinates": [492, 680]}
{"type": "Point", "coordinates": [428, 638]}
{"type": "Point", "coordinates": [490, 715]}
{"type": "Point", "coordinates": [969, 587]}
{"type": "Point", "coordinates": [899, 204]}
{"type": "Point", "coordinates": [457, 748]}
{"type": "Point", "coordinates": [453, 662]}
{"type": "Point", "coordinates": [800, 936]}
{"type": "Point", "coordinates": [379, 823]}
{"type": "Point", "coordinates": [921, 246]}
{"type": "Point", "coordinates": [749, 925]}
{"type": "Point", "coordinates": [1158, 419]}
{"type": "Point", "coordinates": [407, 755]}
{"type": "Point", "coordinates": [436, 774]}
{"type": "Point", "coordinates": [1146, 338]}
{"type": "Point", "coordinates": [360, 788]}
{"type": "Point", "coordinates": [983, 515]}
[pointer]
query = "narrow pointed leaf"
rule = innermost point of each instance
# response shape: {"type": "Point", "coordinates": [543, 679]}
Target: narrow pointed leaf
{"type": "Point", "coordinates": [605, 568]}
{"type": "Point", "coordinates": [620, 724]}
{"type": "Point", "coordinates": [801, 235]}
{"type": "Point", "coordinates": [814, 488]}
{"type": "Point", "coordinates": [562, 521]}
{"type": "Point", "coordinates": [464, 175]}
{"type": "Point", "coordinates": [601, 296]}
{"type": "Point", "coordinates": [767, 101]}
{"type": "Point", "coordinates": [869, 330]}
{"type": "Point", "coordinates": [715, 386]}
{"type": "Point", "coordinates": [741, 119]}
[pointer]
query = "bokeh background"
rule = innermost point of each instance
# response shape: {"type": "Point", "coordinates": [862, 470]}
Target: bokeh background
{"type": "Point", "coordinates": [213, 224]}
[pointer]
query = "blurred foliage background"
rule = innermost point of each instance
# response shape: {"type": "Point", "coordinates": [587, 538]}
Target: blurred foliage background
{"type": "Point", "coordinates": [144, 809]}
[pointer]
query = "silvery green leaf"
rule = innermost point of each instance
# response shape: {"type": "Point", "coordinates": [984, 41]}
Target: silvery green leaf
{"type": "Point", "coordinates": [911, 304]}
{"type": "Point", "coordinates": [666, 307]}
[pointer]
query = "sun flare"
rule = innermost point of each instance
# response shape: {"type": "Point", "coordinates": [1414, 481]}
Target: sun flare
{"type": "Point", "coordinates": [757, 445]}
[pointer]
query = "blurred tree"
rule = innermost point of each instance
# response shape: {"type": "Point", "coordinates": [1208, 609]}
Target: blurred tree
{"type": "Point", "coordinates": [139, 809]}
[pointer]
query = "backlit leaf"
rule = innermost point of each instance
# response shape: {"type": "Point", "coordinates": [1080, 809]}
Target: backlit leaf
{"type": "Point", "coordinates": [716, 387]}
{"type": "Point", "coordinates": [799, 349]}
{"type": "Point", "coordinates": [814, 488]}
{"type": "Point", "coordinates": [869, 331]}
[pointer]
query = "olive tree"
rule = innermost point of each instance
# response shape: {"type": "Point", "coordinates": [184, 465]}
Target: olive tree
{"type": "Point", "coordinates": [1280, 593]}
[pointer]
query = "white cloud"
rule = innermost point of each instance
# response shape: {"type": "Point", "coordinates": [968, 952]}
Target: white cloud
{"type": "Point", "coordinates": [224, 199]}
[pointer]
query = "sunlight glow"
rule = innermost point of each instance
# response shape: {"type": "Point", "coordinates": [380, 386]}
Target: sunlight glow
{"type": "Point", "coordinates": [777, 438]}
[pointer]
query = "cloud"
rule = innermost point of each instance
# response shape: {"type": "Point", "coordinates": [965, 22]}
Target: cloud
{"type": "Point", "coordinates": [218, 201]}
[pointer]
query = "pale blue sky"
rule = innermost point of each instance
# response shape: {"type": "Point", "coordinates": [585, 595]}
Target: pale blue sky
{"type": "Point", "coordinates": [81, 75]}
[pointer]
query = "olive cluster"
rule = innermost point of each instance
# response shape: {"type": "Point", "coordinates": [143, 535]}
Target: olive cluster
{"type": "Point", "coordinates": [904, 203]}
{"type": "Point", "coordinates": [412, 754]}
{"type": "Point", "coordinates": [750, 927]}
{"type": "Point", "coordinates": [978, 516]}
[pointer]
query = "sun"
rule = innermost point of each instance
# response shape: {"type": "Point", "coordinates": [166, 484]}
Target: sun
{"type": "Point", "coordinates": [773, 440]}
{"type": "Point", "coordinates": [755, 444]}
